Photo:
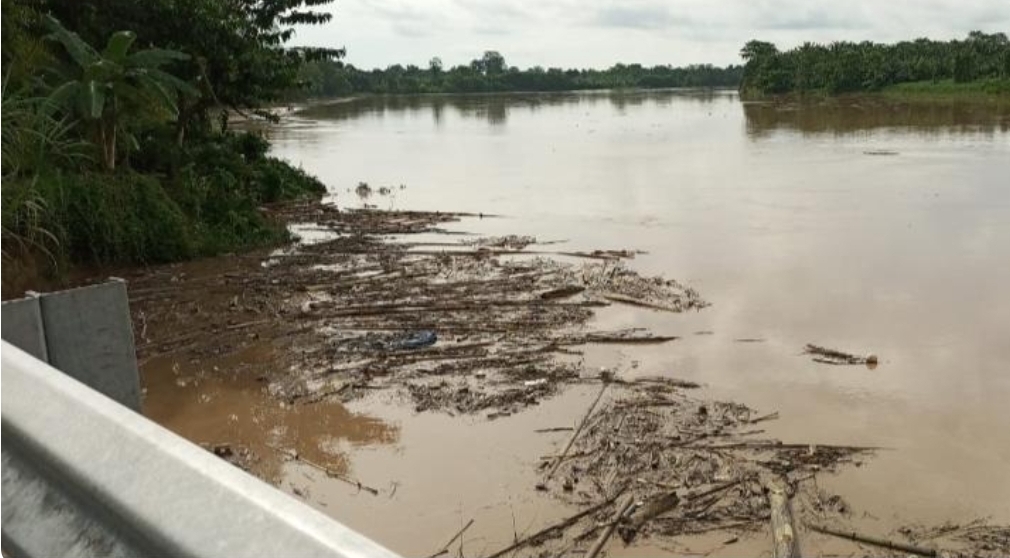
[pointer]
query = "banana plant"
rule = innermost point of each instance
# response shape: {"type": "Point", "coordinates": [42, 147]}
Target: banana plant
{"type": "Point", "coordinates": [106, 89]}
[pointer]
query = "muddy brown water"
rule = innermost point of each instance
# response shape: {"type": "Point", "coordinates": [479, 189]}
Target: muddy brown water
{"type": "Point", "coordinates": [859, 224]}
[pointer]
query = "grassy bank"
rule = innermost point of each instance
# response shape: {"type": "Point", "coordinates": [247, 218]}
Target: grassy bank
{"type": "Point", "coordinates": [172, 204]}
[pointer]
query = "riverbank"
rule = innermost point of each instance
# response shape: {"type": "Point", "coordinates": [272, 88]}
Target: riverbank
{"type": "Point", "coordinates": [989, 90]}
{"type": "Point", "coordinates": [174, 203]}
{"type": "Point", "coordinates": [982, 91]}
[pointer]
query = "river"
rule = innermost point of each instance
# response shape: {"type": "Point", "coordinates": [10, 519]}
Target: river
{"type": "Point", "coordinates": [862, 224]}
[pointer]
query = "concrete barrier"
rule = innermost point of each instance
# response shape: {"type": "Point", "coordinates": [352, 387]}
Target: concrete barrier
{"type": "Point", "coordinates": [22, 326]}
{"type": "Point", "coordinates": [85, 333]}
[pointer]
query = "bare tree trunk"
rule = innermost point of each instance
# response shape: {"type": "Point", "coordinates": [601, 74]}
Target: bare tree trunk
{"type": "Point", "coordinates": [107, 142]}
{"type": "Point", "coordinates": [112, 149]}
{"type": "Point", "coordinates": [103, 144]}
{"type": "Point", "coordinates": [180, 122]}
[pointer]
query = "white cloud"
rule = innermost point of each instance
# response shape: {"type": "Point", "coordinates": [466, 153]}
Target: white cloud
{"type": "Point", "coordinates": [599, 33]}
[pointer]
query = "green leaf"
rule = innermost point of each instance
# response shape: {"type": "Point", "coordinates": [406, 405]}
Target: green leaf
{"type": "Point", "coordinates": [105, 70]}
{"type": "Point", "coordinates": [62, 98]}
{"type": "Point", "coordinates": [168, 80]}
{"type": "Point", "coordinates": [131, 140]}
{"type": "Point", "coordinates": [118, 45]}
{"type": "Point", "coordinates": [162, 93]}
{"type": "Point", "coordinates": [155, 57]}
{"type": "Point", "coordinates": [80, 51]}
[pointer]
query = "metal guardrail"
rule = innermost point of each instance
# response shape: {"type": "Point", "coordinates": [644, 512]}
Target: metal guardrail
{"type": "Point", "coordinates": [85, 476]}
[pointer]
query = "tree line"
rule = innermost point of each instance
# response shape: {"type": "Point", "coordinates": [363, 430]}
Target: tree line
{"type": "Point", "coordinates": [490, 73]}
{"type": "Point", "coordinates": [116, 138]}
{"type": "Point", "coordinates": [842, 67]}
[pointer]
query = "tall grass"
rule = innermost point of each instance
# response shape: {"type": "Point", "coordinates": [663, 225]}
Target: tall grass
{"type": "Point", "coordinates": [33, 143]}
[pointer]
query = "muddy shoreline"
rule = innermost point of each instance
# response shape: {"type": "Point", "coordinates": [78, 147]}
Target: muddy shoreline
{"type": "Point", "coordinates": [485, 329]}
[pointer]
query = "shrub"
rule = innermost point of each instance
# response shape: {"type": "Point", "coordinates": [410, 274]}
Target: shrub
{"type": "Point", "coordinates": [176, 203]}
{"type": "Point", "coordinates": [110, 218]}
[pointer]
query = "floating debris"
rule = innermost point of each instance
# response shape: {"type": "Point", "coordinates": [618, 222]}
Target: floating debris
{"type": "Point", "coordinates": [238, 455]}
{"type": "Point", "coordinates": [825, 355]}
{"type": "Point", "coordinates": [491, 331]}
{"type": "Point", "coordinates": [453, 330]}
{"type": "Point", "coordinates": [511, 242]}
{"type": "Point", "coordinates": [690, 466]}
{"type": "Point", "coordinates": [978, 538]}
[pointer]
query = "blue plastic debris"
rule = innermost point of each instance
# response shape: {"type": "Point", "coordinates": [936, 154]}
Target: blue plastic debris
{"type": "Point", "coordinates": [416, 340]}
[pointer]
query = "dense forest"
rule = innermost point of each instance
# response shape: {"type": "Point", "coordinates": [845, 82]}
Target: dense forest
{"type": "Point", "coordinates": [489, 73]}
{"type": "Point", "coordinates": [114, 145]}
{"type": "Point", "coordinates": [841, 67]}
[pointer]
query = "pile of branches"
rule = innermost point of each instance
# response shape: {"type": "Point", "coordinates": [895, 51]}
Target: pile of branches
{"type": "Point", "coordinates": [502, 323]}
{"type": "Point", "coordinates": [654, 462]}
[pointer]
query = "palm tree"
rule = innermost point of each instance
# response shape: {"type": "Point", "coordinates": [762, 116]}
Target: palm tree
{"type": "Point", "coordinates": [104, 89]}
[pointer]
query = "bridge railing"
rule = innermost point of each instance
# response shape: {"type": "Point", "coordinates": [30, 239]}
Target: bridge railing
{"type": "Point", "coordinates": [86, 476]}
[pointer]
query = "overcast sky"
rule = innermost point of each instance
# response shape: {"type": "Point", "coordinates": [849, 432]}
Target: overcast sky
{"type": "Point", "coordinates": [599, 33]}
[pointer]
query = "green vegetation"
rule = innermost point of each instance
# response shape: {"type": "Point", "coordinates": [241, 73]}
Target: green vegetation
{"type": "Point", "coordinates": [116, 146]}
{"type": "Point", "coordinates": [118, 153]}
{"type": "Point", "coordinates": [490, 73]}
{"type": "Point", "coordinates": [979, 64]}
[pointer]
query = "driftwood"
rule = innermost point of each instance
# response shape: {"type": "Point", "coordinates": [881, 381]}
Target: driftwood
{"type": "Point", "coordinates": [603, 338]}
{"type": "Point", "coordinates": [445, 548]}
{"type": "Point", "coordinates": [564, 457]}
{"type": "Point", "coordinates": [647, 512]}
{"type": "Point", "coordinates": [608, 255]}
{"type": "Point", "coordinates": [558, 526]}
{"type": "Point", "coordinates": [786, 545]}
{"type": "Point", "coordinates": [832, 356]}
{"type": "Point", "coordinates": [776, 445]}
{"type": "Point", "coordinates": [427, 306]}
{"type": "Point", "coordinates": [875, 541]}
{"type": "Point", "coordinates": [605, 535]}
{"type": "Point", "coordinates": [542, 485]}
{"type": "Point", "coordinates": [664, 503]}
{"type": "Point", "coordinates": [624, 299]}
{"type": "Point", "coordinates": [247, 324]}
{"type": "Point", "coordinates": [562, 292]}
{"type": "Point", "coordinates": [328, 471]}
{"type": "Point", "coordinates": [769, 416]}
{"type": "Point", "coordinates": [661, 380]}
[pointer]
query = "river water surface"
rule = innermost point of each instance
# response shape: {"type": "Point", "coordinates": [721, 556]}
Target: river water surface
{"type": "Point", "coordinates": [864, 225]}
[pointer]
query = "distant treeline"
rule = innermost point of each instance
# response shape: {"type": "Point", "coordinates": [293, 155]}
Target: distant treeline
{"type": "Point", "coordinates": [490, 73]}
{"type": "Point", "coordinates": [846, 67]}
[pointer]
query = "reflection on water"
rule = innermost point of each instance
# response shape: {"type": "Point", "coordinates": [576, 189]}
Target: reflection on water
{"type": "Point", "coordinates": [495, 108]}
{"type": "Point", "coordinates": [198, 403]}
{"type": "Point", "coordinates": [864, 114]}
{"type": "Point", "coordinates": [844, 115]}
